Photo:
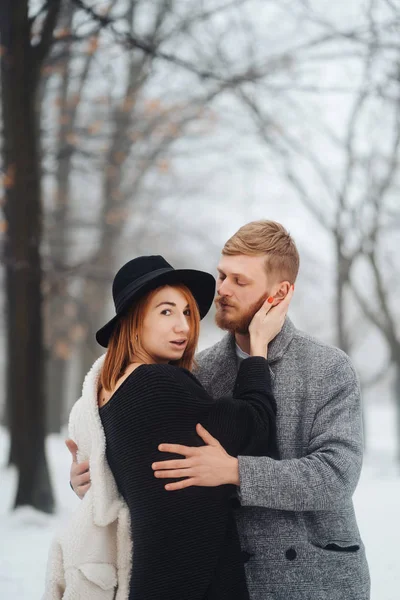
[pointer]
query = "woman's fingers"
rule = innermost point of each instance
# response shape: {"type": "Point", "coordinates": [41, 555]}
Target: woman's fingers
{"type": "Point", "coordinates": [266, 307]}
{"type": "Point", "coordinates": [287, 299]}
{"type": "Point", "coordinates": [260, 314]}
{"type": "Point", "coordinates": [283, 305]}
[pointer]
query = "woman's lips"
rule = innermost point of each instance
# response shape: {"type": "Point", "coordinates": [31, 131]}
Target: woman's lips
{"type": "Point", "coordinates": [179, 343]}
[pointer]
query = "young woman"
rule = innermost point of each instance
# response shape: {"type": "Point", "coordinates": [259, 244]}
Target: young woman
{"type": "Point", "coordinates": [184, 545]}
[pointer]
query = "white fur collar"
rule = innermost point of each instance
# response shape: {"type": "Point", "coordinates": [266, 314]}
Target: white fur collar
{"type": "Point", "coordinates": [107, 501]}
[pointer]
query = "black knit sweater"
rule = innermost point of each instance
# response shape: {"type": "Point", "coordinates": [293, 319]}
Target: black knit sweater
{"type": "Point", "coordinates": [185, 542]}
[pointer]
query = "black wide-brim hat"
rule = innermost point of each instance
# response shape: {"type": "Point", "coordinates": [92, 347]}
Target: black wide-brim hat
{"type": "Point", "coordinates": [146, 273]}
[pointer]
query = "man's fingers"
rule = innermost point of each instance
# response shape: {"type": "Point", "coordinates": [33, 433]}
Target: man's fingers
{"type": "Point", "coordinates": [181, 463]}
{"type": "Point", "coordinates": [174, 473]}
{"type": "Point", "coordinates": [206, 436]}
{"type": "Point", "coordinates": [180, 485]}
{"type": "Point", "coordinates": [73, 448]}
{"type": "Point", "coordinates": [177, 449]}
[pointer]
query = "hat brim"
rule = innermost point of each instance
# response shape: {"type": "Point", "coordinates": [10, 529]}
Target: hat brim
{"type": "Point", "coordinates": [200, 283]}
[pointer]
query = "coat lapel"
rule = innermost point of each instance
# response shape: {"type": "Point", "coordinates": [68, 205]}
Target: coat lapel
{"type": "Point", "coordinates": [225, 367]}
{"type": "Point", "coordinates": [280, 343]}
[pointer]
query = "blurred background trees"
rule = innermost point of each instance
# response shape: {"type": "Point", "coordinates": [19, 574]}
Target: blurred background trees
{"type": "Point", "coordinates": [161, 126]}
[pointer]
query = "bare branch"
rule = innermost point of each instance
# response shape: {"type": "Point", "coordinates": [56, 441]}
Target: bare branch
{"type": "Point", "coordinates": [42, 49]}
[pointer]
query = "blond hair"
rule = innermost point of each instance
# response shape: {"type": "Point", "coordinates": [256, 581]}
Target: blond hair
{"type": "Point", "coordinates": [125, 342]}
{"type": "Point", "coordinates": [269, 238]}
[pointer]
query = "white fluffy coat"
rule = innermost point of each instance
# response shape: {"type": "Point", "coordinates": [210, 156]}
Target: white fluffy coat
{"type": "Point", "coordinates": [92, 558]}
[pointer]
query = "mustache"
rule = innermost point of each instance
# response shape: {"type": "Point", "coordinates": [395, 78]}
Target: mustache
{"type": "Point", "coordinates": [222, 300]}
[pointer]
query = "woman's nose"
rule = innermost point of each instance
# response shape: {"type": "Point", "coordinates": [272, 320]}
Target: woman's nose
{"type": "Point", "coordinates": [182, 325]}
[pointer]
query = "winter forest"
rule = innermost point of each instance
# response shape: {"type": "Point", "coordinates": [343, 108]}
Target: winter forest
{"type": "Point", "coordinates": [134, 127]}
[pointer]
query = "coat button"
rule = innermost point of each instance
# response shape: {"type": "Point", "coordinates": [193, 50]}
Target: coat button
{"type": "Point", "coordinates": [246, 556]}
{"type": "Point", "coordinates": [291, 554]}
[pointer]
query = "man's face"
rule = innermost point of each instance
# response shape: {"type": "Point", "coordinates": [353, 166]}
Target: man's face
{"type": "Point", "coordinates": [242, 288]}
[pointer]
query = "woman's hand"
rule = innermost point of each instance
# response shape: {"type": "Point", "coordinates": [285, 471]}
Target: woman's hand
{"type": "Point", "coordinates": [267, 323]}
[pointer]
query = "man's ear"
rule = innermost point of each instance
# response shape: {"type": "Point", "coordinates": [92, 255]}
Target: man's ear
{"type": "Point", "coordinates": [282, 289]}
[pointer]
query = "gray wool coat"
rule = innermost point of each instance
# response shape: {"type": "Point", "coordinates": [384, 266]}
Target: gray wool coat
{"type": "Point", "coordinates": [296, 521]}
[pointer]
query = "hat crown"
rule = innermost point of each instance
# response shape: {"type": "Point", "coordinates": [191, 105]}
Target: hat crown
{"type": "Point", "coordinates": [135, 269]}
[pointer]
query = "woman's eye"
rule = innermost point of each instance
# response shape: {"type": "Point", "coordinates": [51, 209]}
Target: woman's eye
{"type": "Point", "coordinates": [187, 313]}
{"type": "Point", "coordinates": [240, 283]}
{"type": "Point", "coordinates": [167, 312]}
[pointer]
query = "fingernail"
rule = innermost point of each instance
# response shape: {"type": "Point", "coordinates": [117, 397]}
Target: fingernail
{"type": "Point", "coordinates": [167, 487]}
{"type": "Point", "coordinates": [160, 447]}
{"type": "Point", "coordinates": [270, 300]}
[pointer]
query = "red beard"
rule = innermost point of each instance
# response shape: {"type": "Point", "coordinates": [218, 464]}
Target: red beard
{"type": "Point", "coordinates": [236, 320]}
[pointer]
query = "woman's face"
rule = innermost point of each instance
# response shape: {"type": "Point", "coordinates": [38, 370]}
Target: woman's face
{"type": "Point", "coordinates": [166, 328]}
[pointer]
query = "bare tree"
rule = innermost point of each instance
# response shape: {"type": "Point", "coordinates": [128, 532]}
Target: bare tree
{"type": "Point", "coordinates": [142, 124]}
{"type": "Point", "coordinates": [346, 185]}
{"type": "Point", "coordinates": [25, 43]}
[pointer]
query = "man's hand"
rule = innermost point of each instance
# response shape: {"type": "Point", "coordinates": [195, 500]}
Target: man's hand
{"type": "Point", "coordinates": [80, 474]}
{"type": "Point", "coordinates": [207, 466]}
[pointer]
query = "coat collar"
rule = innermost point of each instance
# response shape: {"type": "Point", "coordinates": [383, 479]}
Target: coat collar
{"type": "Point", "coordinates": [224, 360]}
{"type": "Point", "coordinates": [276, 349]}
{"type": "Point", "coordinates": [280, 343]}
{"type": "Point", "coordinates": [107, 501]}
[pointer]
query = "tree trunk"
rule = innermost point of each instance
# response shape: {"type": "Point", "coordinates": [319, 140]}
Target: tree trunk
{"type": "Point", "coordinates": [90, 349]}
{"type": "Point", "coordinates": [23, 211]}
{"type": "Point", "coordinates": [342, 282]}
{"type": "Point", "coordinates": [56, 365]}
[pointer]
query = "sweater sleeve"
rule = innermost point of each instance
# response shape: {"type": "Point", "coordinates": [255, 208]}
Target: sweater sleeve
{"type": "Point", "coordinates": [245, 423]}
{"type": "Point", "coordinates": [327, 476]}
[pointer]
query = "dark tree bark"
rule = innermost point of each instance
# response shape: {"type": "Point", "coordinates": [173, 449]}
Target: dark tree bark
{"type": "Point", "coordinates": [56, 364]}
{"type": "Point", "coordinates": [20, 68]}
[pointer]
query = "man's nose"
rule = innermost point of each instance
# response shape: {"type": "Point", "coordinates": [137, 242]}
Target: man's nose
{"type": "Point", "coordinates": [223, 288]}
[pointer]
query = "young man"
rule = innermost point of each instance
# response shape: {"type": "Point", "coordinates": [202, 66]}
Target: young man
{"type": "Point", "coordinates": [295, 515]}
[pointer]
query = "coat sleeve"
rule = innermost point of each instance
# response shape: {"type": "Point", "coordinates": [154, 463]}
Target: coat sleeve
{"type": "Point", "coordinates": [327, 476]}
{"type": "Point", "coordinates": [246, 422]}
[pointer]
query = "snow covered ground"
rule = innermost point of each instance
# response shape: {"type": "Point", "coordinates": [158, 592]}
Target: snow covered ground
{"type": "Point", "coordinates": [25, 534]}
